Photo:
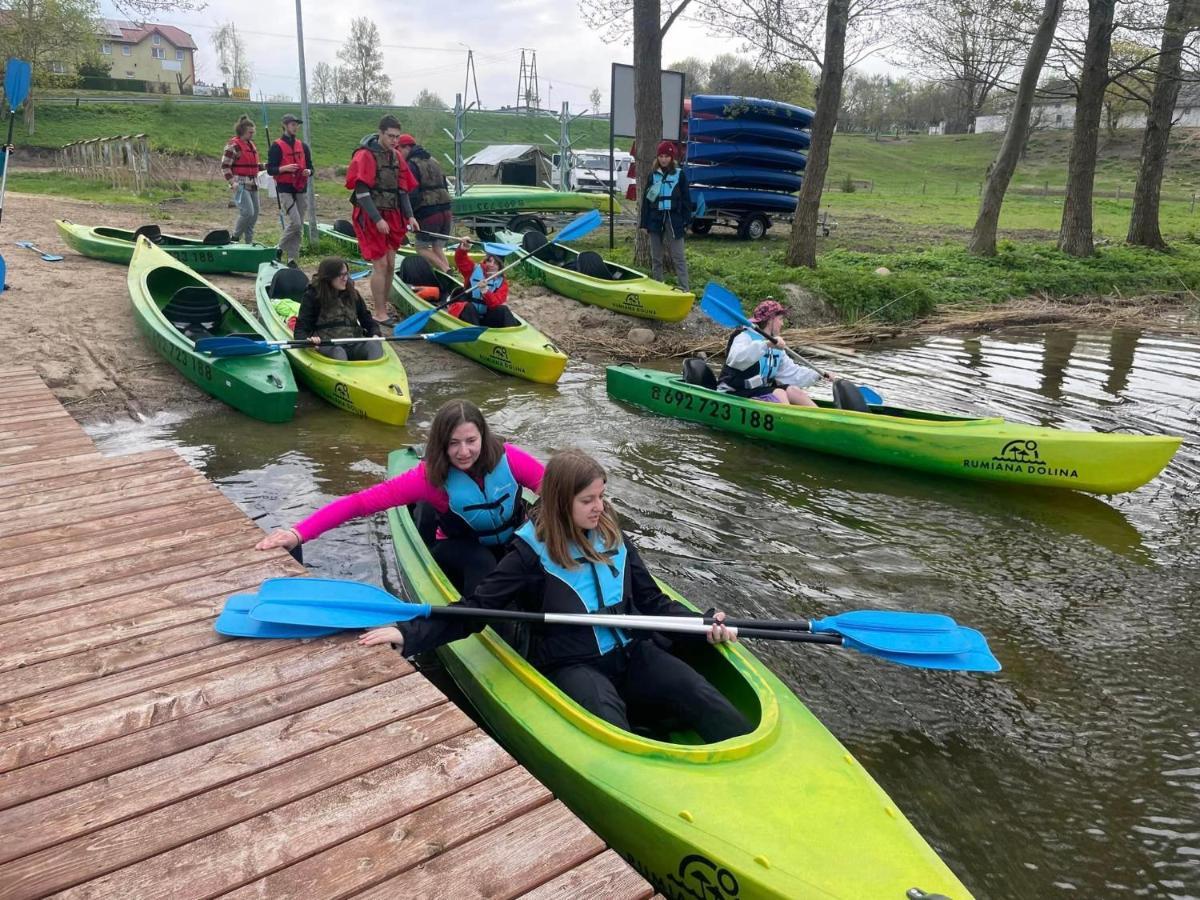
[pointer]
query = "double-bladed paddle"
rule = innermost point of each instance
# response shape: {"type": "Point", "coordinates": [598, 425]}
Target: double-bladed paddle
{"type": "Point", "coordinates": [17, 75]}
{"type": "Point", "coordinates": [576, 228]}
{"type": "Point", "coordinates": [235, 621]}
{"type": "Point", "coordinates": [48, 257]}
{"type": "Point", "coordinates": [724, 308]}
{"type": "Point", "coordinates": [922, 640]}
{"type": "Point", "coordinates": [237, 345]}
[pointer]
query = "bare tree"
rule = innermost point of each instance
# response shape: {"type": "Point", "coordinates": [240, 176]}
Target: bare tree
{"type": "Point", "coordinates": [647, 100]}
{"type": "Point", "coordinates": [323, 75]}
{"type": "Point", "coordinates": [427, 99]}
{"type": "Point", "coordinates": [1075, 235]}
{"type": "Point", "coordinates": [966, 45]}
{"type": "Point", "coordinates": [1180, 20]}
{"type": "Point", "coordinates": [233, 60]}
{"type": "Point", "coordinates": [1000, 172]}
{"type": "Point", "coordinates": [363, 64]}
{"type": "Point", "coordinates": [595, 98]}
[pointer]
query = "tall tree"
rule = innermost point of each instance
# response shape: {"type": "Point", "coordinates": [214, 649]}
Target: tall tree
{"type": "Point", "coordinates": [45, 32]}
{"type": "Point", "coordinates": [322, 85]}
{"type": "Point", "coordinates": [232, 58]}
{"type": "Point", "coordinates": [647, 99]}
{"type": "Point", "coordinates": [362, 64]}
{"type": "Point", "coordinates": [802, 248]}
{"type": "Point", "coordinates": [1180, 20]}
{"type": "Point", "coordinates": [1000, 172]}
{"type": "Point", "coordinates": [695, 72]}
{"type": "Point", "coordinates": [1075, 235]}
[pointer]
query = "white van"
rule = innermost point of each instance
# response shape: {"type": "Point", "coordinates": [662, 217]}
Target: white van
{"type": "Point", "coordinates": [589, 171]}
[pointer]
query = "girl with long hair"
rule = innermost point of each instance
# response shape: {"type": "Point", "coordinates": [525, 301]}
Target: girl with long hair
{"type": "Point", "coordinates": [331, 308]}
{"type": "Point", "coordinates": [572, 557]}
{"type": "Point", "coordinates": [240, 166]}
{"type": "Point", "coordinates": [470, 481]}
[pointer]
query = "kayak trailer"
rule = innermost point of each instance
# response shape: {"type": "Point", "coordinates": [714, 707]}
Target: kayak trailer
{"type": "Point", "coordinates": [752, 225]}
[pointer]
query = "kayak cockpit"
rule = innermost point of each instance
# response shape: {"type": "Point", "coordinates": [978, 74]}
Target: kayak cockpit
{"type": "Point", "coordinates": [193, 308]}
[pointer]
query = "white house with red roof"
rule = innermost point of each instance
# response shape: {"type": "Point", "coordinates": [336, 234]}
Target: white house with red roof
{"type": "Point", "coordinates": [149, 52]}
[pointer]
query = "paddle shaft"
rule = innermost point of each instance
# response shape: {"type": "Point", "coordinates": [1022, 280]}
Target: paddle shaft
{"type": "Point", "coordinates": [334, 341]}
{"type": "Point", "coordinates": [12, 117]}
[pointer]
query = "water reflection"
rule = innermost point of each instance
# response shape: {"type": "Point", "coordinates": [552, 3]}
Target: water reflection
{"type": "Point", "coordinates": [1075, 769]}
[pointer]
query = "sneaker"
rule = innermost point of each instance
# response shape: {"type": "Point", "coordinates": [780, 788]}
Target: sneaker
{"type": "Point", "coordinates": [292, 264]}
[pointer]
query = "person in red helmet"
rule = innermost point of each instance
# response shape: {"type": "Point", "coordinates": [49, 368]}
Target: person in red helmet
{"type": "Point", "coordinates": [759, 368]}
{"type": "Point", "coordinates": [379, 181]}
{"type": "Point", "coordinates": [666, 213]}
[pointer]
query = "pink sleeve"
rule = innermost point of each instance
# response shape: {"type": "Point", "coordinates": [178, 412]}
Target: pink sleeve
{"type": "Point", "coordinates": [411, 487]}
{"type": "Point", "coordinates": [526, 469]}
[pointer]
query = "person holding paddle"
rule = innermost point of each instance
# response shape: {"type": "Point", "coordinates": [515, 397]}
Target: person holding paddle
{"type": "Point", "coordinates": [757, 365]}
{"type": "Point", "coordinates": [486, 302]}
{"type": "Point", "coordinates": [571, 556]}
{"type": "Point", "coordinates": [469, 483]}
{"type": "Point", "coordinates": [330, 309]}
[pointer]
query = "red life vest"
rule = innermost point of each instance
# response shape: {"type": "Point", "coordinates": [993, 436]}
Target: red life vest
{"type": "Point", "coordinates": [247, 162]}
{"type": "Point", "coordinates": [292, 154]}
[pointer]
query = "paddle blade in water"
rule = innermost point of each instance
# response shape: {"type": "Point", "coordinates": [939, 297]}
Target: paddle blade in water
{"type": "Point", "coordinates": [578, 227]}
{"type": "Point", "coordinates": [976, 656]}
{"type": "Point", "coordinates": [235, 621]}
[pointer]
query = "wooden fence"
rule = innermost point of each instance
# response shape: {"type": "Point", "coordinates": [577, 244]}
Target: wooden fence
{"type": "Point", "coordinates": [122, 161]}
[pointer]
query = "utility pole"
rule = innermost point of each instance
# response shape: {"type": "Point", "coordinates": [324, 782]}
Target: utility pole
{"type": "Point", "coordinates": [528, 92]}
{"type": "Point", "coordinates": [312, 194]}
{"type": "Point", "coordinates": [458, 137]}
{"type": "Point", "coordinates": [470, 79]}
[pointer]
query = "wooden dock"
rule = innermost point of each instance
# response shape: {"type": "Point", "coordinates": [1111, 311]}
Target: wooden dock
{"type": "Point", "coordinates": [143, 755]}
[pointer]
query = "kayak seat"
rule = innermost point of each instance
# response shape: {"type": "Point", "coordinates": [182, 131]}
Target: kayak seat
{"type": "Point", "coordinates": [152, 233]}
{"type": "Point", "coordinates": [846, 395]}
{"type": "Point", "coordinates": [217, 238]}
{"type": "Point", "coordinates": [416, 271]}
{"type": "Point", "coordinates": [344, 226]}
{"type": "Point", "coordinates": [592, 264]}
{"type": "Point", "coordinates": [535, 243]}
{"type": "Point", "coordinates": [287, 284]}
{"type": "Point", "coordinates": [195, 310]}
{"type": "Point", "coordinates": [696, 371]}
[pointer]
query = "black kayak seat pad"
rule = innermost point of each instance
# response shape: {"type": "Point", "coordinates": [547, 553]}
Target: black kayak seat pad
{"type": "Point", "coordinates": [416, 271]}
{"type": "Point", "coordinates": [696, 371]}
{"type": "Point", "coordinates": [344, 226]}
{"type": "Point", "coordinates": [535, 243]}
{"type": "Point", "coordinates": [218, 238]}
{"type": "Point", "coordinates": [195, 310]}
{"type": "Point", "coordinates": [846, 395]}
{"type": "Point", "coordinates": [592, 264]}
{"type": "Point", "coordinates": [287, 284]}
{"type": "Point", "coordinates": [152, 233]}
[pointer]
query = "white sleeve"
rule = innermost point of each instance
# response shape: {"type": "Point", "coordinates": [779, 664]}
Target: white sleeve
{"type": "Point", "coordinates": [745, 351]}
{"type": "Point", "coordinates": [791, 373]}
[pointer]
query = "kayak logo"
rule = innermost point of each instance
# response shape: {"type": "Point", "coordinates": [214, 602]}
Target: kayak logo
{"type": "Point", "coordinates": [1020, 451]}
{"type": "Point", "coordinates": [341, 392]}
{"type": "Point", "coordinates": [633, 300]}
{"type": "Point", "coordinates": [499, 352]}
{"type": "Point", "coordinates": [702, 878]}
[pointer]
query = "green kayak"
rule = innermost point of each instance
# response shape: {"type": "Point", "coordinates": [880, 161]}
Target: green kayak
{"type": "Point", "coordinates": [375, 389]}
{"type": "Point", "coordinates": [985, 449]}
{"type": "Point", "coordinates": [174, 307]}
{"type": "Point", "coordinates": [599, 282]}
{"type": "Point", "coordinates": [782, 812]}
{"type": "Point", "coordinates": [212, 254]}
{"type": "Point", "coordinates": [521, 350]}
{"type": "Point", "coordinates": [479, 199]}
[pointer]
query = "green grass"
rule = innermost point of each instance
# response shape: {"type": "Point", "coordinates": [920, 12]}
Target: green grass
{"type": "Point", "coordinates": [55, 185]}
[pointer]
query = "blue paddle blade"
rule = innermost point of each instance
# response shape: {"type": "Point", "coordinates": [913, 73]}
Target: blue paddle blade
{"type": "Point", "coordinates": [922, 634]}
{"type": "Point", "coordinates": [3, 273]}
{"type": "Point", "coordinates": [872, 397]}
{"type": "Point", "coordinates": [414, 323]}
{"type": "Point", "coordinates": [578, 227]}
{"type": "Point", "coordinates": [457, 336]}
{"type": "Point", "coordinates": [331, 603]}
{"type": "Point", "coordinates": [976, 656]}
{"type": "Point", "coordinates": [17, 76]}
{"type": "Point", "coordinates": [235, 621]}
{"type": "Point", "coordinates": [723, 307]}
{"type": "Point", "coordinates": [234, 346]}
{"type": "Point", "coordinates": [499, 250]}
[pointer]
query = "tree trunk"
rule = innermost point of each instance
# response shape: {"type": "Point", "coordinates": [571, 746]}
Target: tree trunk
{"type": "Point", "coordinates": [983, 237]}
{"type": "Point", "coordinates": [1075, 233]}
{"type": "Point", "coordinates": [647, 103]}
{"type": "Point", "coordinates": [1143, 222]}
{"type": "Point", "coordinates": [802, 248]}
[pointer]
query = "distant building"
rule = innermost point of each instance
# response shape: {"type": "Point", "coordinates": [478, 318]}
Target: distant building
{"type": "Point", "coordinates": [1054, 108]}
{"type": "Point", "coordinates": [149, 52]}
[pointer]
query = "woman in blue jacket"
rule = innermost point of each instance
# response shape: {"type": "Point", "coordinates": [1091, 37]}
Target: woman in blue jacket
{"type": "Point", "coordinates": [667, 213]}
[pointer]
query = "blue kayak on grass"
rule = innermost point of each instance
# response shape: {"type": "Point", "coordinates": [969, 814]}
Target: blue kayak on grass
{"type": "Point", "coordinates": [754, 177]}
{"type": "Point", "coordinates": [727, 106]}
{"type": "Point", "coordinates": [748, 130]}
{"type": "Point", "coordinates": [747, 154]}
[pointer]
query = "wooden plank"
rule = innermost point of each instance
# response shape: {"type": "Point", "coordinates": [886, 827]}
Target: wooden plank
{"type": "Point", "coordinates": [66, 488]}
{"type": "Point", "coordinates": [50, 447]}
{"type": "Point", "coordinates": [505, 862]}
{"type": "Point", "coordinates": [101, 760]}
{"type": "Point", "coordinates": [41, 431]}
{"type": "Point", "coordinates": [89, 807]}
{"type": "Point", "coordinates": [280, 661]}
{"type": "Point", "coordinates": [606, 875]}
{"type": "Point", "coordinates": [37, 472]}
{"type": "Point", "coordinates": [435, 744]}
{"type": "Point", "coordinates": [395, 846]}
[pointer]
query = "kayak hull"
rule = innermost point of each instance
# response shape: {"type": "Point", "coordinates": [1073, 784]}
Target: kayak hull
{"type": "Point", "coordinates": [983, 449]}
{"type": "Point", "coordinates": [259, 386]}
{"type": "Point", "coordinates": [666, 805]}
{"type": "Point", "coordinates": [374, 389]}
{"type": "Point", "coordinates": [747, 154]}
{"type": "Point", "coordinates": [727, 106]}
{"type": "Point", "coordinates": [749, 130]}
{"type": "Point", "coordinates": [744, 200]}
{"type": "Point", "coordinates": [500, 198]}
{"type": "Point", "coordinates": [116, 245]}
{"type": "Point", "coordinates": [754, 177]}
{"type": "Point", "coordinates": [633, 293]}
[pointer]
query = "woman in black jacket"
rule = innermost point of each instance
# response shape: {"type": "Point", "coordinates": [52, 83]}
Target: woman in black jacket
{"type": "Point", "coordinates": [667, 213]}
{"type": "Point", "coordinates": [331, 308]}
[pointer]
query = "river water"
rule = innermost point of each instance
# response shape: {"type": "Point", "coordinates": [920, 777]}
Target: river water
{"type": "Point", "coordinates": [1073, 772]}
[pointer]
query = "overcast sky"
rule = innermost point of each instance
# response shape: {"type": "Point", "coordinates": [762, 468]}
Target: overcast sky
{"type": "Point", "coordinates": [424, 51]}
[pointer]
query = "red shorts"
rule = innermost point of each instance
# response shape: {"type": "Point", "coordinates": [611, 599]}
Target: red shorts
{"type": "Point", "coordinates": [371, 243]}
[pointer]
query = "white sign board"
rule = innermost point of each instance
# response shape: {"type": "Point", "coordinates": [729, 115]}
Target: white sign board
{"type": "Point", "coordinates": [623, 119]}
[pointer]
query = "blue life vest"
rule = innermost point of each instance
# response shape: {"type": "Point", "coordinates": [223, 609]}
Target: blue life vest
{"type": "Point", "coordinates": [477, 287]}
{"type": "Point", "coordinates": [666, 187]}
{"type": "Point", "coordinates": [757, 378]}
{"type": "Point", "coordinates": [588, 587]}
{"type": "Point", "coordinates": [490, 514]}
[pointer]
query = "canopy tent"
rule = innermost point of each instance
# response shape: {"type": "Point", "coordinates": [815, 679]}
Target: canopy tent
{"type": "Point", "coordinates": [522, 164]}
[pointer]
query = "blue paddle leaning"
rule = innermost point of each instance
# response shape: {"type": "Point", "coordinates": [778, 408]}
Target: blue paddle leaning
{"type": "Point", "coordinates": [922, 640]}
{"type": "Point", "coordinates": [723, 307]}
{"type": "Point", "coordinates": [576, 228]}
{"type": "Point", "coordinates": [238, 345]}
{"type": "Point", "coordinates": [16, 88]}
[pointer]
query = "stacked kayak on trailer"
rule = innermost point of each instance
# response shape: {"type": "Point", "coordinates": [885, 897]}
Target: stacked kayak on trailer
{"type": "Point", "coordinates": [985, 449]}
{"type": "Point", "coordinates": [589, 278]}
{"type": "Point", "coordinates": [212, 253]}
{"type": "Point", "coordinates": [174, 307]}
{"type": "Point", "coordinates": [376, 388]}
{"type": "Point", "coordinates": [784, 811]}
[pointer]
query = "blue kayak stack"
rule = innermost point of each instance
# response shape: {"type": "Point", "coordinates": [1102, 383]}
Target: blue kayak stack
{"type": "Point", "coordinates": [745, 153]}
